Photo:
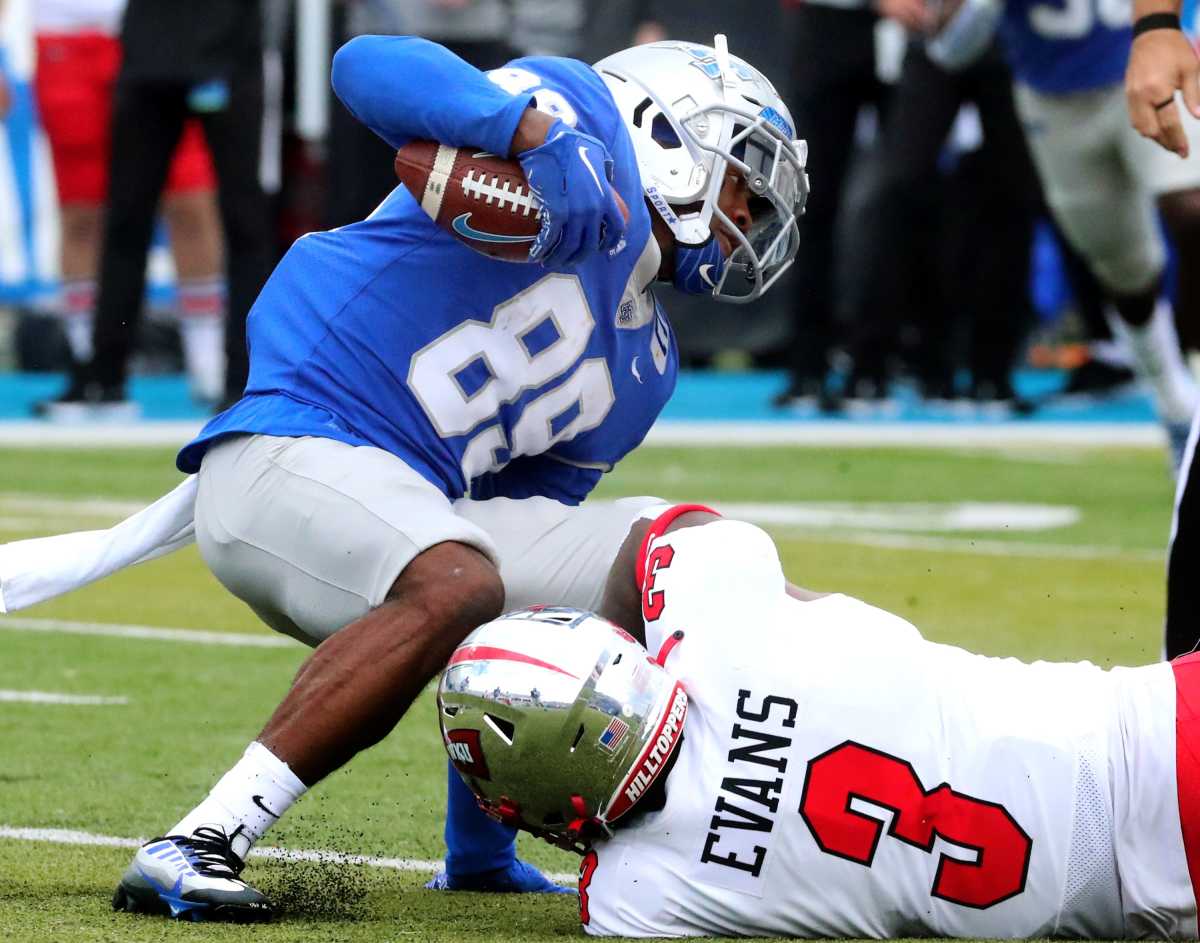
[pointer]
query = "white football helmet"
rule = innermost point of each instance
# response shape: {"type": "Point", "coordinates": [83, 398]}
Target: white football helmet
{"type": "Point", "coordinates": [694, 111]}
{"type": "Point", "coordinates": [558, 721]}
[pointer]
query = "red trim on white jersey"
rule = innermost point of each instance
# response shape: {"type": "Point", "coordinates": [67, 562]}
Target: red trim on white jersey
{"type": "Point", "coordinates": [1187, 759]}
{"type": "Point", "coordinates": [490, 652]}
{"type": "Point", "coordinates": [657, 528]}
{"type": "Point", "coordinates": [668, 646]}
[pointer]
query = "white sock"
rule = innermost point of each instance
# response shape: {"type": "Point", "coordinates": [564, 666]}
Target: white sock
{"type": "Point", "coordinates": [76, 309]}
{"type": "Point", "coordinates": [1158, 360]}
{"type": "Point", "coordinates": [254, 795]}
{"type": "Point", "coordinates": [202, 333]}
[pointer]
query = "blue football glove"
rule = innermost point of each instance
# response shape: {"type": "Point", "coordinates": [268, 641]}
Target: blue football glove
{"type": "Point", "coordinates": [570, 173]}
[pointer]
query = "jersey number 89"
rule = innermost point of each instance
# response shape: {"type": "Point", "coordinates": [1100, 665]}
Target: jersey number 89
{"type": "Point", "coordinates": [469, 374]}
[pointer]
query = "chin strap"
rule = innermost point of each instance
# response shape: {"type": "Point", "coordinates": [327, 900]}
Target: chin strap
{"type": "Point", "coordinates": [698, 269]}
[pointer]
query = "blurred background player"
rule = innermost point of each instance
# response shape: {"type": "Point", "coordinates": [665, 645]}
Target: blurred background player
{"type": "Point", "coordinates": [984, 292]}
{"type": "Point", "coordinates": [1162, 85]}
{"type": "Point", "coordinates": [1100, 180]}
{"type": "Point", "coordinates": [833, 78]}
{"type": "Point", "coordinates": [78, 58]}
{"type": "Point", "coordinates": [180, 60]}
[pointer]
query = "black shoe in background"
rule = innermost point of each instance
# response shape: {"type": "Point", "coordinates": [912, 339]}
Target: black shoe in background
{"type": "Point", "coordinates": [999, 396]}
{"type": "Point", "coordinates": [86, 399]}
{"type": "Point", "coordinates": [1096, 378]}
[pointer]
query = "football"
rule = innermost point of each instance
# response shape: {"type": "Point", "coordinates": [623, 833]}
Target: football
{"type": "Point", "coordinates": [482, 200]}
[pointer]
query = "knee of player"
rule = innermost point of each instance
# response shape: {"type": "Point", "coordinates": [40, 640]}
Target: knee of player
{"type": "Point", "coordinates": [455, 586]}
{"type": "Point", "coordinates": [478, 598]}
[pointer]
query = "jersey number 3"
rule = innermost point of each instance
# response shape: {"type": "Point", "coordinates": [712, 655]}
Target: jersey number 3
{"type": "Point", "coordinates": [851, 771]}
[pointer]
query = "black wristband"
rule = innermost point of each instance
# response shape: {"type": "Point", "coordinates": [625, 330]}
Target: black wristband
{"type": "Point", "coordinates": [1155, 21]}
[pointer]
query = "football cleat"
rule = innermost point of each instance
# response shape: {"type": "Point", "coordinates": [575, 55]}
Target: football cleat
{"type": "Point", "coordinates": [517, 878]}
{"type": "Point", "coordinates": [193, 877]}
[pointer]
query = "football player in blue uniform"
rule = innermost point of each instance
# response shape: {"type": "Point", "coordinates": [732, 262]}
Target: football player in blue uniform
{"type": "Point", "coordinates": [1101, 180]}
{"type": "Point", "coordinates": [421, 421]}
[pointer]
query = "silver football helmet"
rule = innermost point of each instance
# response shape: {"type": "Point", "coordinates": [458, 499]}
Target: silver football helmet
{"type": "Point", "coordinates": [693, 112]}
{"type": "Point", "coordinates": [558, 721]}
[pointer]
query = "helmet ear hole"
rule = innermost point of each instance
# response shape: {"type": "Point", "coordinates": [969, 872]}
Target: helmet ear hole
{"type": "Point", "coordinates": [450, 710]}
{"type": "Point", "coordinates": [504, 729]}
{"type": "Point", "coordinates": [663, 134]}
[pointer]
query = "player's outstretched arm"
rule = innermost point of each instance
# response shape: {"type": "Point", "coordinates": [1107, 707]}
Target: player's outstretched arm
{"type": "Point", "coordinates": [405, 88]}
{"type": "Point", "coordinates": [1161, 62]}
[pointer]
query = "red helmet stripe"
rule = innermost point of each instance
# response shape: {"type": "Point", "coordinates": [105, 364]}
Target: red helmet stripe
{"type": "Point", "coordinates": [491, 653]}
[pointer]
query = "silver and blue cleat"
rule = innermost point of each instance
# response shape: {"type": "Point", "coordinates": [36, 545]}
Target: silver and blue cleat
{"type": "Point", "coordinates": [193, 877]}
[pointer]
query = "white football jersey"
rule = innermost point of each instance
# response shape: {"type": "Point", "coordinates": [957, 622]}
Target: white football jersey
{"type": "Point", "coordinates": [840, 776]}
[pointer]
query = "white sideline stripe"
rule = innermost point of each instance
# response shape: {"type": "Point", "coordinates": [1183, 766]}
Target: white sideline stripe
{"type": "Point", "coordinates": [903, 515]}
{"type": "Point", "coordinates": [687, 432]}
{"type": "Point", "coordinates": [993, 548]}
{"type": "Point", "coordinates": [907, 434]}
{"type": "Point", "coordinates": [48, 504]}
{"type": "Point", "coordinates": [118, 630]}
{"type": "Point", "coordinates": [854, 515]}
{"type": "Point", "coordinates": [66, 836]}
{"type": "Point", "coordinates": [49, 697]}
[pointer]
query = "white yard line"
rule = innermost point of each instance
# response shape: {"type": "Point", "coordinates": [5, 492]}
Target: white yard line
{"type": "Point", "coordinates": [49, 697]}
{"type": "Point", "coordinates": [52, 505]}
{"type": "Point", "coordinates": [857, 516]}
{"type": "Point", "coordinates": [993, 548]}
{"type": "Point", "coordinates": [907, 434]}
{"type": "Point", "coordinates": [118, 630]}
{"type": "Point", "coordinates": [852, 515]}
{"type": "Point", "coordinates": [685, 432]}
{"type": "Point", "coordinates": [65, 836]}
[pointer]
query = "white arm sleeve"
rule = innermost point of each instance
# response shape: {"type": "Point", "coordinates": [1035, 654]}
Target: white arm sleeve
{"type": "Point", "coordinates": [32, 571]}
{"type": "Point", "coordinates": [966, 35]}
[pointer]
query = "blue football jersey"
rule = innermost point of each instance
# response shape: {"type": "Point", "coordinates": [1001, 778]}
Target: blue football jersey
{"type": "Point", "coordinates": [487, 377]}
{"type": "Point", "coordinates": [1062, 46]}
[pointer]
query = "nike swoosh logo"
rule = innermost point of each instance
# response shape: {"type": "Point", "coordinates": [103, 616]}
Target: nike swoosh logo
{"type": "Point", "coordinates": [633, 367]}
{"type": "Point", "coordinates": [463, 227]}
{"type": "Point", "coordinates": [706, 277]}
{"type": "Point", "coordinates": [257, 800]}
{"type": "Point", "coordinates": [592, 170]}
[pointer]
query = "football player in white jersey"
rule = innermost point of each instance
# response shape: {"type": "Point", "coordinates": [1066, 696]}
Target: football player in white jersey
{"type": "Point", "coordinates": [794, 764]}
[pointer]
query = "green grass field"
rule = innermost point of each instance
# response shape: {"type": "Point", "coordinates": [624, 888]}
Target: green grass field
{"type": "Point", "coordinates": [1090, 589]}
